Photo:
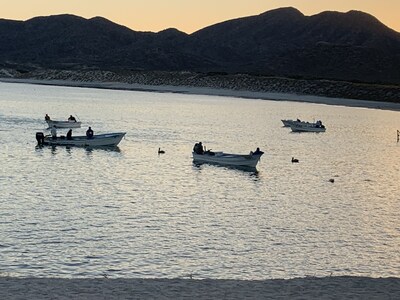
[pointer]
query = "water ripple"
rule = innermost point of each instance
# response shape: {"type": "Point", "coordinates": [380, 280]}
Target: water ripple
{"type": "Point", "coordinates": [133, 213]}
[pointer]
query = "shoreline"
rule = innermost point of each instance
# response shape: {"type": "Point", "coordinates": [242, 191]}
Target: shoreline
{"type": "Point", "coordinates": [162, 87]}
{"type": "Point", "coordinates": [341, 287]}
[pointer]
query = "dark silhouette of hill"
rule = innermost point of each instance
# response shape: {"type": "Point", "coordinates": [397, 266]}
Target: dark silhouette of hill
{"type": "Point", "coordinates": [346, 46]}
{"type": "Point", "coordinates": [351, 46]}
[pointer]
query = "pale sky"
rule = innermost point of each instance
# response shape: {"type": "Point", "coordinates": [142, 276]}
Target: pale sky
{"type": "Point", "coordinates": [189, 16]}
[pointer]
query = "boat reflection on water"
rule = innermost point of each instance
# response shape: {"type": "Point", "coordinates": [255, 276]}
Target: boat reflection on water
{"type": "Point", "coordinates": [70, 150]}
{"type": "Point", "coordinates": [105, 148]}
{"type": "Point", "coordinates": [42, 148]}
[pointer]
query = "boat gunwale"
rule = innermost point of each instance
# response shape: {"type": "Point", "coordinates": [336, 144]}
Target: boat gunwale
{"type": "Point", "coordinates": [83, 141]}
{"type": "Point", "coordinates": [248, 160]}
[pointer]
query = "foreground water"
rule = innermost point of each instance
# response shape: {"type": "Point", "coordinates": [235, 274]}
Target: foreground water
{"type": "Point", "coordinates": [129, 212]}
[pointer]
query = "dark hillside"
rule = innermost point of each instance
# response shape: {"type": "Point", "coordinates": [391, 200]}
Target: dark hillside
{"type": "Point", "coordinates": [352, 46]}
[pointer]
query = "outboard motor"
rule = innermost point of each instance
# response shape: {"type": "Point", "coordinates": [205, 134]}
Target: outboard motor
{"type": "Point", "coordinates": [40, 138]}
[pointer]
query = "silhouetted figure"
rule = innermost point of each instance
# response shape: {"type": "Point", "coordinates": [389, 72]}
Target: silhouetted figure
{"type": "Point", "coordinates": [295, 160]}
{"type": "Point", "coordinates": [89, 133]}
{"type": "Point", "coordinates": [47, 117]}
{"type": "Point", "coordinates": [160, 151]}
{"type": "Point", "coordinates": [198, 148]}
{"type": "Point", "coordinates": [258, 151]}
{"type": "Point", "coordinates": [71, 118]}
{"type": "Point", "coordinates": [69, 134]}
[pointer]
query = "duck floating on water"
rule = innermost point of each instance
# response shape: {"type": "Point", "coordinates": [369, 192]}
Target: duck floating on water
{"type": "Point", "coordinates": [295, 160]}
{"type": "Point", "coordinates": [160, 151]}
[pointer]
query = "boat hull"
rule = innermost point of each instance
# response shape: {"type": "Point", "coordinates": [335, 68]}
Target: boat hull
{"type": "Point", "coordinates": [301, 126]}
{"type": "Point", "coordinates": [99, 140]}
{"type": "Point", "coordinates": [64, 124]}
{"type": "Point", "coordinates": [239, 160]}
{"type": "Point", "coordinates": [307, 128]}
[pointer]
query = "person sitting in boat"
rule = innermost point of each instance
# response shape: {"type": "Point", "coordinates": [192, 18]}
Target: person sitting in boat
{"type": "Point", "coordinates": [258, 151]}
{"type": "Point", "coordinates": [47, 117]}
{"type": "Point", "coordinates": [89, 133]}
{"type": "Point", "coordinates": [71, 118]}
{"type": "Point", "coordinates": [53, 132]}
{"type": "Point", "coordinates": [69, 134]}
{"type": "Point", "coordinates": [198, 148]}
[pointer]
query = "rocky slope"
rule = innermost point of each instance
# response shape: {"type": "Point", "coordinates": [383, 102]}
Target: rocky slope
{"type": "Point", "coordinates": [239, 82]}
{"type": "Point", "coordinates": [351, 46]}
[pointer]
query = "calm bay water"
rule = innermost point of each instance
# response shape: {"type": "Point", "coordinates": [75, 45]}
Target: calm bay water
{"type": "Point", "coordinates": [129, 212]}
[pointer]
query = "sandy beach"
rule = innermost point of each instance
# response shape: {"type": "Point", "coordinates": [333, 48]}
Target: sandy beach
{"type": "Point", "coordinates": [105, 288]}
{"type": "Point", "coordinates": [264, 90]}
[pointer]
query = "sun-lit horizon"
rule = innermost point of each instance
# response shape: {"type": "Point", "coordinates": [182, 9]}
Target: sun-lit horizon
{"type": "Point", "coordinates": [157, 15]}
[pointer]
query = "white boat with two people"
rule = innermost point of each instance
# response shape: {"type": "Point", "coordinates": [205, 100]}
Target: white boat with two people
{"type": "Point", "coordinates": [98, 140]}
{"type": "Point", "coordinates": [237, 160]}
{"type": "Point", "coordinates": [70, 123]}
{"type": "Point", "coordinates": [307, 126]}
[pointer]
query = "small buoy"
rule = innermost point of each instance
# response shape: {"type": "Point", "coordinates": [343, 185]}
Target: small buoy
{"type": "Point", "coordinates": [295, 160]}
{"type": "Point", "coordinates": [160, 151]}
{"type": "Point", "coordinates": [332, 180]}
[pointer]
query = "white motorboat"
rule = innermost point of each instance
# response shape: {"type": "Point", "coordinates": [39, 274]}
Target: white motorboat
{"type": "Point", "coordinates": [238, 160]}
{"type": "Point", "coordinates": [307, 127]}
{"type": "Point", "coordinates": [98, 140]}
{"type": "Point", "coordinates": [64, 124]}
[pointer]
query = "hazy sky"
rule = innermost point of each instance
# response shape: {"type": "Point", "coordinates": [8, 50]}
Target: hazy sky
{"type": "Point", "coordinates": [187, 15]}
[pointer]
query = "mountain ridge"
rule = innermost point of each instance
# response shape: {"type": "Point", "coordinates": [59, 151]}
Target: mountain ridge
{"type": "Point", "coordinates": [352, 46]}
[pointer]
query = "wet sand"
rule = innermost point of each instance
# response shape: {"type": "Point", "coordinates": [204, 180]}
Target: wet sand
{"type": "Point", "coordinates": [106, 288]}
